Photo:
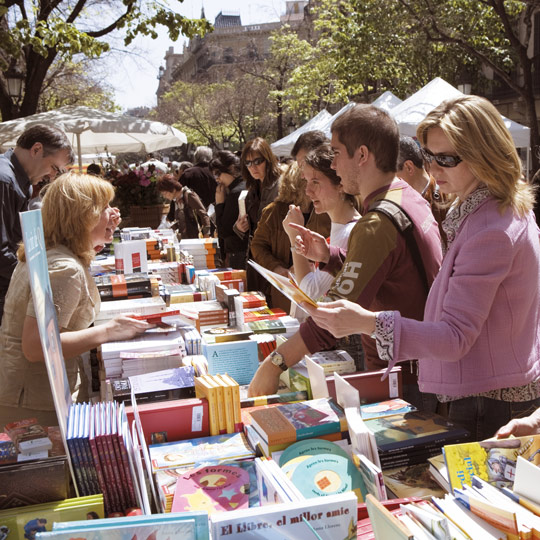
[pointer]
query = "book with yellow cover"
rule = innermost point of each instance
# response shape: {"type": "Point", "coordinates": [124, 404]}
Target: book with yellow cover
{"type": "Point", "coordinates": [238, 425]}
{"type": "Point", "coordinates": [228, 401]}
{"type": "Point", "coordinates": [203, 389]}
{"type": "Point", "coordinates": [220, 402]}
{"type": "Point", "coordinates": [493, 460]}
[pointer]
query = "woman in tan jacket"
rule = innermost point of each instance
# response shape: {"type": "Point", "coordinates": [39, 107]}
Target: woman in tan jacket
{"type": "Point", "coordinates": [271, 247]}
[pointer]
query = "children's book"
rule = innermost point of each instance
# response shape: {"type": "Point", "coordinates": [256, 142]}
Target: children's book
{"type": "Point", "coordinates": [325, 518]}
{"type": "Point", "coordinates": [296, 421]}
{"type": "Point", "coordinates": [493, 460]}
{"type": "Point", "coordinates": [385, 524]}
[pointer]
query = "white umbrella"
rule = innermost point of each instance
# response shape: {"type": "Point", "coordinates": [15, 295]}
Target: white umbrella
{"type": "Point", "coordinates": [158, 165]}
{"type": "Point", "coordinates": [91, 131]}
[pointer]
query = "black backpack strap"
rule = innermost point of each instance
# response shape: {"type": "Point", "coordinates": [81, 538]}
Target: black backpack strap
{"type": "Point", "coordinates": [404, 224]}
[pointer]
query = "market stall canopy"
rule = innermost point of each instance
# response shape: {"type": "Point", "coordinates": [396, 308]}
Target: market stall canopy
{"type": "Point", "coordinates": [409, 113]}
{"type": "Point", "coordinates": [284, 146]}
{"type": "Point", "coordinates": [91, 131]}
{"type": "Point", "coordinates": [387, 101]}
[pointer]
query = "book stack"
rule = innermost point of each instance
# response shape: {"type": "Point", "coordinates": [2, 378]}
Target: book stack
{"type": "Point", "coordinates": [172, 460]}
{"type": "Point", "coordinates": [286, 326]}
{"type": "Point", "coordinates": [223, 396]}
{"type": "Point", "coordinates": [123, 286]}
{"type": "Point", "coordinates": [192, 339]}
{"type": "Point", "coordinates": [266, 344]}
{"type": "Point", "coordinates": [97, 439]}
{"type": "Point", "coordinates": [207, 313]}
{"type": "Point", "coordinates": [153, 351]}
{"type": "Point", "coordinates": [198, 362]}
{"type": "Point", "coordinates": [332, 362]}
{"type": "Point", "coordinates": [278, 427]}
{"type": "Point", "coordinates": [135, 233]}
{"type": "Point", "coordinates": [232, 279]}
{"type": "Point", "coordinates": [30, 439]}
{"type": "Point", "coordinates": [163, 385]}
{"type": "Point", "coordinates": [412, 437]}
{"type": "Point", "coordinates": [170, 272]}
{"type": "Point", "coordinates": [178, 293]}
{"type": "Point", "coordinates": [226, 298]}
{"type": "Point", "coordinates": [203, 251]}
{"type": "Point", "coordinates": [153, 249]}
{"type": "Point", "coordinates": [141, 306]}
{"type": "Point", "coordinates": [130, 257]}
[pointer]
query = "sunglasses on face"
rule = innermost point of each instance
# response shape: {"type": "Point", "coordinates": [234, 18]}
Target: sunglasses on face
{"type": "Point", "coordinates": [254, 162]}
{"type": "Point", "coordinates": [441, 159]}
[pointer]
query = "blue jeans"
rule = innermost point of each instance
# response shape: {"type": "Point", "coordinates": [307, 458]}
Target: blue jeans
{"type": "Point", "coordinates": [482, 416]}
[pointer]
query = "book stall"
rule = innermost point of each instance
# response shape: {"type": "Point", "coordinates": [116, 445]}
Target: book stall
{"type": "Point", "coordinates": [169, 445]}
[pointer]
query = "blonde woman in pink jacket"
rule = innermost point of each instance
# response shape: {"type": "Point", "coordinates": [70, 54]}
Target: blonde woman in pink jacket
{"type": "Point", "coordinates": [478, 346]}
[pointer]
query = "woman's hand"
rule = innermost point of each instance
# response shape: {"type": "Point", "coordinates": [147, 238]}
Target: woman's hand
{"type": "Point", "coordinates": [266, 380]}
{"type": "Point", "coordinates": [115, 217]}
{"type": "Point", "coordinates": [221, 191]}
{"type": "Point", "coordinates": [310, 244]}
{"type": "Point", "coordinates": [342, 318]}
{"type": "Point", "coordinates": [124, 327]}
{"type": "Point", "coordinates": [520, 427]}
{"type": "Point", "coordinates": [294, 215]}
{"type": "Point", "coordinates": [242, 224]}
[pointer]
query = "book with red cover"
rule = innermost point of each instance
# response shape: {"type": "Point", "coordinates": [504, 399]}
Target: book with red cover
{"type": "Point", "coordinates": [97, 460]}
{"type": "Point", "coordinates": [176, 419]}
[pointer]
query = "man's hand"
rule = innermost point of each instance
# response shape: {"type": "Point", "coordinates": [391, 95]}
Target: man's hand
{"type": "Point", "coordinates": [310, 244]}
{"type": "Point", "coordinates": [520, 427]}
{"type": "Point", "coordinates": [342, 318]}
{"type": "Point", "coordinates": [266, 380]}
{"type": "Point", "coordinates": [242, 224]}
{"type": "Point", "coordinates": [294, 215]}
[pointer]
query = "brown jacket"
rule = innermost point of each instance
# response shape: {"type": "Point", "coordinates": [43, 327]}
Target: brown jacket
{"type": "Point", "coordinates": [271, 247]}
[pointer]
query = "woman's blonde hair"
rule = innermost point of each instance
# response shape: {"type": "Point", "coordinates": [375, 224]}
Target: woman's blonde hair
{"type": "Point", "coordinates": [72, 206]}
{"type": "Point", "coordinates": [478, 134]}
{"type": "Point", "coordinates": [292, 185]}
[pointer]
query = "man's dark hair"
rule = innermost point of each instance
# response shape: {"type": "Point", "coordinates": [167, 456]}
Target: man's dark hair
{"type": "Point", "coordinates": [94, 169]}
{"type": "Point", "coordinates": [51, 137]}
{"type": "Point", "coordinates": [409, 150]}
{"type": "Point", "coordinates": [226, 162]}
{"type": "Point", "coordinates": [308, 141]}
{"type": "Point", "coordinates": [168, 183]}
{"type": "Point", "coordinates": [372, 127]}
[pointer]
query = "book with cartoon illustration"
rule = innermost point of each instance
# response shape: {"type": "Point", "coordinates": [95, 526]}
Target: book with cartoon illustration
{"type": "Point", "coordinates": [493, 460]}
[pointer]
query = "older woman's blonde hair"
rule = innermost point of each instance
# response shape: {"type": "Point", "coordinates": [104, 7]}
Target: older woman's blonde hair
{"type": "Point", "coordinates": [72, 206]}
{"type": "Point", "coordinates": [478, 134]}
{"type": "Point", "coordinates": [292, 185]}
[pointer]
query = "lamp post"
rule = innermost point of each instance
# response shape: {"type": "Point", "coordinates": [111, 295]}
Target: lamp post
{"type": "Point", "coordinates": [15, 82]}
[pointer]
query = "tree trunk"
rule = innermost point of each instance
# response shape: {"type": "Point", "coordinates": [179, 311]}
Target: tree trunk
{"type": "Point", "coordinates": [279, 111]}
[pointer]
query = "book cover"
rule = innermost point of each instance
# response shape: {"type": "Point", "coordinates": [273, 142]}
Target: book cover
{"type": "Point", "coordinates": [384, 523]}
{"type": "Point", "coordinates": [285, 397]}
{"type": "Point", "coordinates": [175, 420]}
{"type": "Point", "coordinates": [290, 422]}
{"type": "Point", "coordinates": [326, 518]}
{"type": "Point", "coordinates": [228, 401]}
{"type": "Point", "coordinates": [413, 429]}
{"type": "Point", "coordinates": [493, 460]}
{"type": "Point", "coordinates": [238, 358]}
{"type": "Point", "coordinates": [96, 457]}
{"type": "Point", "coordinates": [213, 488]}
{"type": "Point", "coordinates": [214, 449]}
{"type": "Point", "coordinates": [386, 408]}
{"type": "Point", "coordinates": [236, 406]}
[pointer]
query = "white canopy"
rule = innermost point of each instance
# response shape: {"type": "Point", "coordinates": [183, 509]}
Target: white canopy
{"type": "Point", "coordinates": [92, 131]}
{"type": "Point", "coordinates": [284, 146]}
{"type": "Point", "coordinates": [387, 101]}
{"type": "Point", "coordinates": [409, 113]}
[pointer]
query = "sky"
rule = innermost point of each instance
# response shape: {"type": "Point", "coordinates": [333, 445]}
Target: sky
{"type": "Point", "coordinates": [134, 77]}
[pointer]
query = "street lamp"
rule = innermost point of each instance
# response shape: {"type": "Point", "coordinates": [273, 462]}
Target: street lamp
{"type": "Point", "coordinates": [14, 80]}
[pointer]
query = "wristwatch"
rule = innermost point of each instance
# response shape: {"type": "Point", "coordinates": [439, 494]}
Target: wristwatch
{"type": "Point", "coordinates": [278, 360]}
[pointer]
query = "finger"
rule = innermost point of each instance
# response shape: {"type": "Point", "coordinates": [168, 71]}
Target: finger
{"type": "Point", "coordinates": [299, 228]}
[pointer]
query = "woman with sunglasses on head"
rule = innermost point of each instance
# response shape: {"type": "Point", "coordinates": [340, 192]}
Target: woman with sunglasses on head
{"type": "Point", "coordinates": [77, 218]}
{"type": "Point", "coordinates": [260, 169]}
{"type": "Point", "coordinates": [226, 169]}
{"type": "Point", "coordinates": [479, 343]}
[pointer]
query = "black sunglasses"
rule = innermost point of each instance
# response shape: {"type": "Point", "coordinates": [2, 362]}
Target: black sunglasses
{"type": "Point", "coordinates": [441, 159]}
{"type": "Point", "coordinates": [256, 162]}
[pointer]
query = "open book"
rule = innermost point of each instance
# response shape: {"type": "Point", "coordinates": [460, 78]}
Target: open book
{"type": "Point", "coordinates": [287, 286]}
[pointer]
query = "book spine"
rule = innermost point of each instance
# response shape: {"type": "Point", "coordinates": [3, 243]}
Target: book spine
{"type": "Point", "coordinates": [77, 467]}
{"type": "Point", "coordinates": [106, 464]}
{"type": "Point", "coordinates": [208, 394]}
{"type": "Point", "coordinates": [229, 407]}
{"type": "Point", "coordinates": [100, 475]}
{"type": "Point", "coordinates": [118, 486]}
{"type": "Point", "coordinates": [91, 472]}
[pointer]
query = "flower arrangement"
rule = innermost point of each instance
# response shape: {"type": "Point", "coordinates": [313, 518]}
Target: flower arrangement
{"type": "Point", "coordinates": [135, 188]}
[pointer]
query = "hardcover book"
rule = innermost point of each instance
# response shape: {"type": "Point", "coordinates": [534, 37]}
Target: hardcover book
{"type": "Point", "coordinates": [291, 422]}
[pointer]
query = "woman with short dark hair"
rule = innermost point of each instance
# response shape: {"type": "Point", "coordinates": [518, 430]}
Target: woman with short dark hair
{"type": "Point", "coordinates": [189, 212]}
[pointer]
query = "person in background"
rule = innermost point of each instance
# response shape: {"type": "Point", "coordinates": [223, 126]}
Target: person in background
{"type": "Point", "coordinates": [270, 245]}
{"type": "Point", "coordinates": [190, 217]}
{"type": "Point", "coordinates": [305, 143]}
{"type": "Point", "coordinates": [261, 171]}
{"type": "Point", "coordinates": [379, 268]}
{"type": "Point", "coordinates": [94, 169]}
{"type": "Point", "coordinates": [40, 151]}
{"type": "Point", "coordinates": [478, 345]}
{"type": "Point", "coordinates": [199, 178]}
{"type": "Point", "coordinates": [411, 168]}
{"type": "Point", "coordinates": [226, 169]}
{"type": "Point", "coordinates": [76, 218]}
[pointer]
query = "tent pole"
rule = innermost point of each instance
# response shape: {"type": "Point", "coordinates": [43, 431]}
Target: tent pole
{"type": "Point", "coordinates": [79, 151]}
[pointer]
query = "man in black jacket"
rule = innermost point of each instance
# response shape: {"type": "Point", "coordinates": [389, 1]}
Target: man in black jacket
{"type": "Point", "coordinates": [199, 178]}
